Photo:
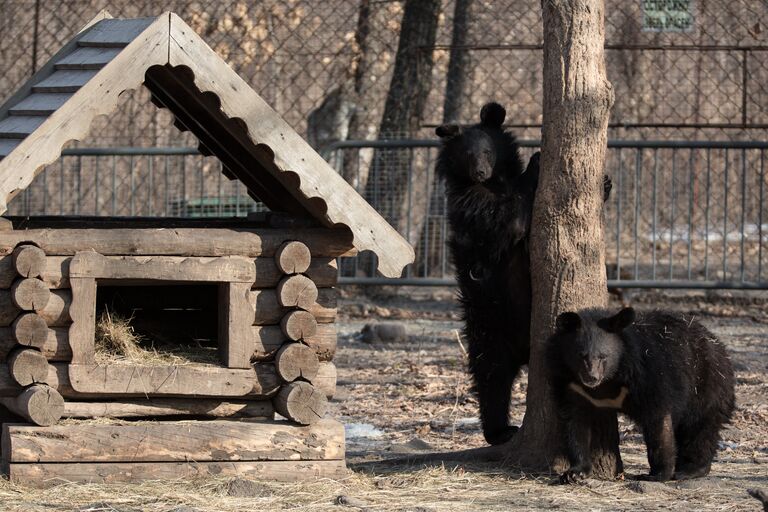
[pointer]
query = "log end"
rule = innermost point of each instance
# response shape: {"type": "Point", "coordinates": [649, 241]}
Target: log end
{"type": "Point", "coordinates": [301, 402]}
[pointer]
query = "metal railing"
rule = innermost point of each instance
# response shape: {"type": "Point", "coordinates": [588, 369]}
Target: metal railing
{"type": "Point", "coordinates": [681, 215]}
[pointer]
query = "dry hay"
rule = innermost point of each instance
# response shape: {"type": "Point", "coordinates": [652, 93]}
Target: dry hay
{"type": "Point", "coordinates": [118, 343]}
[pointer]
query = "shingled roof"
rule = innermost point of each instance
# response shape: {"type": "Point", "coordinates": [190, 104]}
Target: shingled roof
{"type": "Point", "coordinates": [208, 98]}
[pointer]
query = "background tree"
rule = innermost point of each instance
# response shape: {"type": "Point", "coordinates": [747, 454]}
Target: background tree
{"type": "Point", "coordinates": [567, 246]}
{"type": "Point", "coordinates": [403, 113]}
{"type": "Point", "coordinates": [458, 63]}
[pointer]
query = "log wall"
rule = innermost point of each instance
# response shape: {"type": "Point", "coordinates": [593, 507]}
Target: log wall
{"type": "Point", "coordinates": [290, 306]}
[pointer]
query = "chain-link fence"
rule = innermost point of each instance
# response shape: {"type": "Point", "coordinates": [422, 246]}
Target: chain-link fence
{"type": "Point", "coordinates": [330, 63]}
{"type": "Point", "coordinates": [371, 70]}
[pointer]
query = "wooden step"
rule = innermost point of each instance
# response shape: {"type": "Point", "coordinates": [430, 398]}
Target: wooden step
{"type": "Point", "coordinates": [39, 104]}
{"type": "Point", "coordinates": [64, 81]}
{"type": "Point", "coordinates": [87, 58]}
{"type": "Point", "coordinates": [114, 33]}
{"type": "Point", "coordinates": [6, 146]}
{"type": "Point", "coordinates": [18, 127]}
{"type": "Point", "coordinates": [50, 474]}
{"type": "Point", "coordinates": [174, 441]}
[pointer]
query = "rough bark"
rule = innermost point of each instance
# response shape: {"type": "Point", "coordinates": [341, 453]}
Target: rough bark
{"type": "Point", "coordinates": [567, 246]}
{"type": "Point", "coordinates": [352, 167]}
{"type": "Point", "coordinates": [403, 111]}
{"type": "Point", "coordinates": [458, 64]}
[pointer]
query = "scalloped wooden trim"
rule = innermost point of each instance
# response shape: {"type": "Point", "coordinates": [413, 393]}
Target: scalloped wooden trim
{"type": "Point", "coordinates": [319, 187]}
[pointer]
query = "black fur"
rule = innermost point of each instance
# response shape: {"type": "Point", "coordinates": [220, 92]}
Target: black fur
{"type": "Point", "coordinates": [490, 200]}
{"type": "Point", "coordinates": [678, 377]}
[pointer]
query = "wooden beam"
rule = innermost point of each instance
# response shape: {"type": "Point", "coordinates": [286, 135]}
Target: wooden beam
{"type": "Point", "coordinates": [162, 268]}
{"type": "Point", "coordinates": [297, 325]}
{"type": "Point", "coordinates": [117, 380]}
{"type": "Point", "coordinates": [269, 338]}
{"type": "Point", "coordinates": [55, 313]}
{"type": "Point", "coordinates": [162, 407]}
{"type": "Point", "coordinates": [293, 257]}
{"type": "Point", "coordinates": [268, 311]}
{"type": "Point", "coordinates": [46, 475]}
{"type": "Point", "coordinates": [28, 366]}
{"type": "Point", "coordinates": [30, 330]}
{"type": "Point", "coordinates": [82, 332]}
{"type": "Point", "coordinates": [263, 382]}
{"type": "Point", "coordinates": [55, 347]}
{"type": "Point", "coordinates": [28, 260]}
{"type": "Point", "coordinates": [300, 402]}
{"type": "Point", "coordinates": [55, 274]}
{"type": "Point", "coordinates": [38, 404]}
{"type": "Point", "coordinates": [30, 294]}
{"type": "Point", "coordinates": [178, 241]}
{"type": "Point", "coordinates": [296, 360]}
{"type": "Point", "coordinates": [173, 441]}
{"type": "Point", "coordinates": [325, 380]}
{"type": "Point", "coordinates": [235, 320]}
{"type": "Point", "coordinates": [296, 291]}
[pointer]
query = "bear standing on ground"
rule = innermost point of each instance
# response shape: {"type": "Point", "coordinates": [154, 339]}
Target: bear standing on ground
{"type": "Point", "coordinates": [666, 372]}
{"type": "Point", "coordinates": [490, 200]}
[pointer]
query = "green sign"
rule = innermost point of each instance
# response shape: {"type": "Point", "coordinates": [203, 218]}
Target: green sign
{"type": "Point", "coordinates": [667, 15]}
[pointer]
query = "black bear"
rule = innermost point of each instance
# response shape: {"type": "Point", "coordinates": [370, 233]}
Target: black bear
{"type": "Point", "coordinates": [490, 199]}
{"type": "Point", "coordinates": [666, 372]}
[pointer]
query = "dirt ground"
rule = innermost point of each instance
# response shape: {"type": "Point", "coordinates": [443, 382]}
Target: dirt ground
{"type": "Point", "coordinates": [409, 396]}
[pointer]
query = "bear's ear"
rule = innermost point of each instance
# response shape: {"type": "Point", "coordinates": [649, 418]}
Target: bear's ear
{"type": "Point", "coordinates": [619, 321]}
{"type": "Point", "coordinates": [492, 114]}
{"type": "Point", "coordinates": [568, 322]}
{"type": "Point", "coordinates": [447, 131]}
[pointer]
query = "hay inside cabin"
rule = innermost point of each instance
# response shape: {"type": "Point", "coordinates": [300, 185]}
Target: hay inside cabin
{"type": "Point", "coordinates": [117, 342]}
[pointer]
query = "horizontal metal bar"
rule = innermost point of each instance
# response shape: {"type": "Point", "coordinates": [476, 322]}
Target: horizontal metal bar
{"type": "Point", "coordinates": [533, 143]}
{"type": "Point", "coordinates": [651, 47]}
{"type": "Point", "coordinates": [423, 143]}
{"type": "Point", "coordinates": [612, 284]}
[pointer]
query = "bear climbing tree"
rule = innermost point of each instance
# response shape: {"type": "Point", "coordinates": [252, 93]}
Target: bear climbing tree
{"type": "Point", "coordinates": [567, 246]}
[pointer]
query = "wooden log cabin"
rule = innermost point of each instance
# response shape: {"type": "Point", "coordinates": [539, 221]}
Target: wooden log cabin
{"type": "Point", "coordinates": [260, 290]}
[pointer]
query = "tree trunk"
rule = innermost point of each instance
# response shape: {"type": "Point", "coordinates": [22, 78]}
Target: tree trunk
{"type": "Point", "coordinates": [388, 187]}
{"type": "Point", "coordinates": [456, 83]}
{"type": "Point", "coordinates": [351, 165]}
{"type": "Point", "coordinates": [567, 246]}
{"type": "Point", "coordinates": [458, 63]}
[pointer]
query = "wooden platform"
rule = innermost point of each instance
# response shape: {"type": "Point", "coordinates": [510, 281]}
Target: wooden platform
{"type": "Point", "coordinates": [152, 450]}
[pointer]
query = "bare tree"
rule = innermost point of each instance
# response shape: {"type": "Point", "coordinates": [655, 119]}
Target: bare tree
{"type": "Point", "coordinates": [403, 111]}
{"type": "Point", "coordinates": [567, 246]}
{"type": "Point", "coordinates": [458, 63]}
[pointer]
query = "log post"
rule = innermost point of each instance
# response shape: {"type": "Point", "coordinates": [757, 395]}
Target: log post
{"type": "Point", "coordinates": [37, 404]}
{"type": "Point", "coordinates": [28, 366]}
{"type": "Point", "coordinates": [300, 402]}
{"type": "Point", "coordinates": [296, 360]}
{"type": "Point", "coordinates": [30, 329]}
{"type": "Point", "coordinates": [30, 294]}
{"type": "Point", "coordinates": [235, 319]}
{"type": "Point", "coordinates": [298, 324]}
{"type": "Point", "coordinates": [293, 257]}
{"type": "Point", "coordinates": [297, 291]}
{"type": "Point", "coordinates": [29, 261]}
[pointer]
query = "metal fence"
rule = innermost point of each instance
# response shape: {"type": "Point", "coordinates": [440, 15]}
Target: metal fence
{"type": "Point", "coordinates": [681, 214]}
{"type": "Point", "coordinates": [326, 66]}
